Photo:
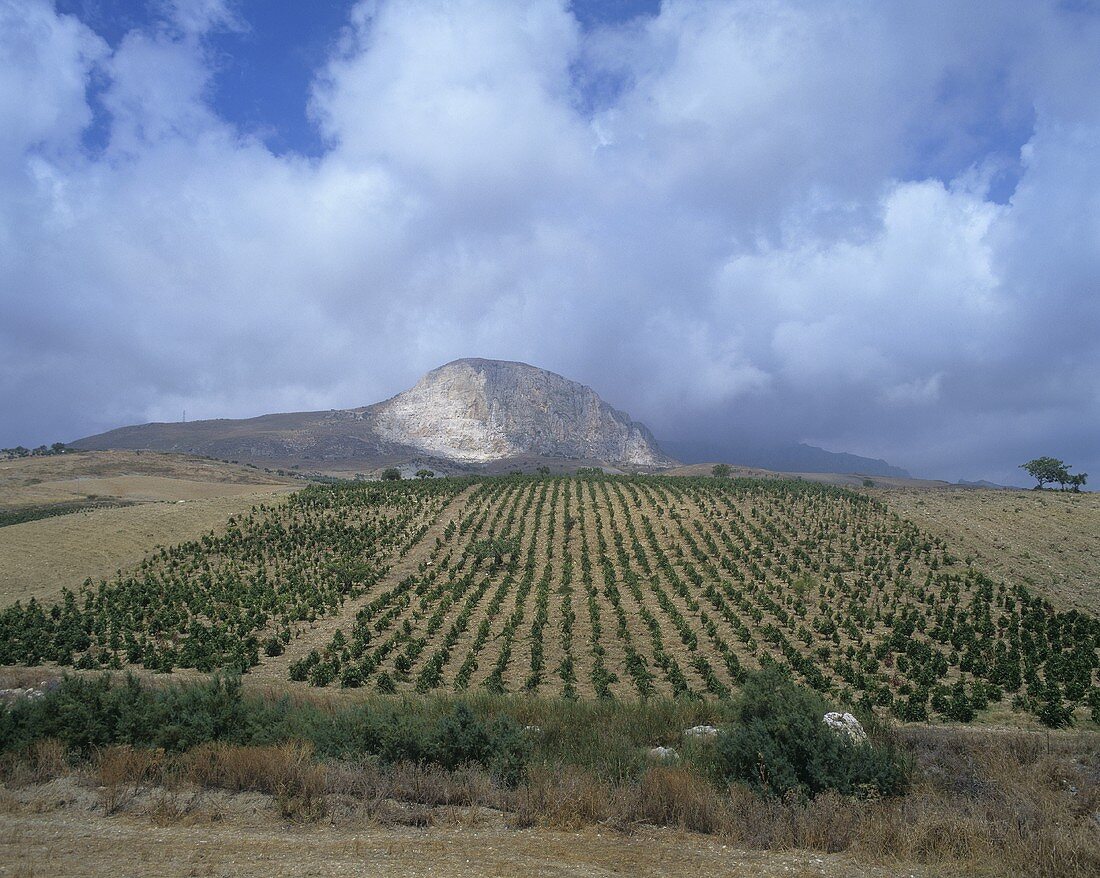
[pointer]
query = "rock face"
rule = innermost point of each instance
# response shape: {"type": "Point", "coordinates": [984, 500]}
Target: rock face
{"type": "Point", "coordinates": [478, 410]}
{"type": "Point", "coordinates": [470, 413]}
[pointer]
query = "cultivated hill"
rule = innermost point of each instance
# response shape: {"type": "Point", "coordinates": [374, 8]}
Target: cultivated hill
{"type": "Point", "coordinates": [585, 588]}
{"type": "Point", "coordinates": [70, 516]}
{"type": "Point", "coordinates": [469, 413]}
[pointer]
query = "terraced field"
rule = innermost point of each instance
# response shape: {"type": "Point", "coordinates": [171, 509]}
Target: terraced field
{"type": "Point", "coordinates": [593, 587]}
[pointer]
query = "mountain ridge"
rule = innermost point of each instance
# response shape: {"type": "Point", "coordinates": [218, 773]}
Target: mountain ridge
{"type": "Point", "coordinates": [799, 457]}
{"type": "Point", "coordinates": [469, 412]}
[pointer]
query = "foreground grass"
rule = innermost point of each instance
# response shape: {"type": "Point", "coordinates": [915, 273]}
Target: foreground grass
{"type": "Point", "coordinates": [981, 801]}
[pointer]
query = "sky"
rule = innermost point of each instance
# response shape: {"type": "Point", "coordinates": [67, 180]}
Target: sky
{"type": "Point", "coordinates": [869, 226]}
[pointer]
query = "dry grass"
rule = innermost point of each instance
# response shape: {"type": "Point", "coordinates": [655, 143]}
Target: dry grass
{"type": "Point", "coordinates": [287, 772]}
{"type": "Point", "coordinates": [123, 772]}
{"type": "Point", "coordinates": [39, 558]}
{"type": "Point", "coordinates": [75, 475]}
{"type": "Point", "coordinates": [984, 803]}
{"type": "Point", "coordinates": [1047, 540]}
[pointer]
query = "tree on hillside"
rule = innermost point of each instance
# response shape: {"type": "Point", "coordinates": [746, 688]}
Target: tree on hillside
{"type": "Point", "coordinates": [391, 474]}
{"type": "Point", "coordinates": [425, 474]}
{"type": "Point", "coordinates": [720, 470]}
{"type": "Point", "coordinates": [1045, 470]}
{"type": "Point", "coordinates": [1077, 482]}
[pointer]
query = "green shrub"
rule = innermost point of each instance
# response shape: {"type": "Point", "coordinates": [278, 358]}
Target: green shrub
{"type": "Point", "coordinates": [88, 714]}
{"type": "Point", "coordinates": [462, 738]}
{"type": "Point", "coordinates": [781, 744]}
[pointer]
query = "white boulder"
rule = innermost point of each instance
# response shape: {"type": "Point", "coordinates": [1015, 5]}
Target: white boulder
{"type": "Point", "coordinates": [701, 732]}
{"type": "Point", "coordinates": [847, 725]}
{"type": "Point", "coordinates": [663, 754]}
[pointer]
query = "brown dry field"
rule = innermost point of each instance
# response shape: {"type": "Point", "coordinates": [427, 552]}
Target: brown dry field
{"type": "Point", "coordinates": [124, 475]}
{"type": "Point", "coordinates": [59, 830]}
{"type": "Point", "coordinates": [176, 497]}
{"type": "Point", "coordinates": [1049, 540]}
{"type": "Point", "coordinates": [843, 480]}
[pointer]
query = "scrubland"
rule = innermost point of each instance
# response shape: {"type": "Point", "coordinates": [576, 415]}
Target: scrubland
{"type": "Point", "coordinates": [482, 781]}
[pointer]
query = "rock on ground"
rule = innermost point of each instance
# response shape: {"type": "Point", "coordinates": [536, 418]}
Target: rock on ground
{"type": "Point", "coordinates": [845, 724]}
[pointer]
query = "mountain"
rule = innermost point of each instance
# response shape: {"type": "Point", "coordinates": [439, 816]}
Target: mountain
{"type": "Point", "coordinates": [470, 412]}
{"type": "Point", "coordinates": [800, 458]}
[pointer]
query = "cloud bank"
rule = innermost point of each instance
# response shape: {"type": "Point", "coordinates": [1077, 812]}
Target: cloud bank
{"type": "Point", "coordinates": [872, 227]}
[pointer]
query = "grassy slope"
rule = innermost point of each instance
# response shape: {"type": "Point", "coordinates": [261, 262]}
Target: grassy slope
{"type": "Point", "coordinates": [1047, 540]}
{"type": "Point", "coordinates": [123, 475]}
{"type": "Point", "coordinates": [39, 558]}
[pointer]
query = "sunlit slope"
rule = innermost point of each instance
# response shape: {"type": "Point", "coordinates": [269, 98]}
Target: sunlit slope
{"type": "Point", "coordinates": [592, 587]}
{"type": "Point", "coordinates": [66, 517]}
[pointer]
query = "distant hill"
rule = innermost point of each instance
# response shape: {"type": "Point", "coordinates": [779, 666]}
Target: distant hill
{"type": "Point", "coordinates": [470, 413]}
{"type": "Point", "coordinates": [800, 458]}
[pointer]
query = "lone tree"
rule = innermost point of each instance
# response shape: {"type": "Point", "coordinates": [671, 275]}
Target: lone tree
{"type": "Point", "coordinates": [1045, 470]}
{"type": "Point", "coordinates": [1050, 469]}
{"type": "Point", "coordinates": [391, 474]}
{"type": "Point", "coordinates": [720, 470]}
{"type": "Point", "coordinates": [425, 474]}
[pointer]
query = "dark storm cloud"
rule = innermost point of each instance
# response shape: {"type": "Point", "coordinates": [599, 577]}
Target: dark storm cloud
{"type": "Point", "coordinates": [871, 227]}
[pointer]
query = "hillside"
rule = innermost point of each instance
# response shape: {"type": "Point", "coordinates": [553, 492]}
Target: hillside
{"type": "Point", "coordinates": [92, 513]}
{"type": "Point", "coordinates": [123, 476]}
{"type": "Point", "coordinates": [782, 457]}
{"type": "Point", "coordinates": [464, 415]}
{"type": "Point", "coordinates": [623, 588]}
{"type": "Point", "coordinates": [1048, 541]}
{"type": "Point", "coordinates": [838, 479]}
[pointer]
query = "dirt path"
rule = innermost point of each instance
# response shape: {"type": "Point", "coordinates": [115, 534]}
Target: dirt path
{"type": "Point", "coordinates": [316, 636]}
{"type": "Point", "coordinates": [67, 840]}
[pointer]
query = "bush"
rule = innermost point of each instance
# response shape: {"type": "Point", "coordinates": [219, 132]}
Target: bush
{"type": "Point", "coordinates": [87, 715]}
{"type": "Point", "coordinates": [781, 745]}
{"type": "Point", "coordinates": [462, 738]}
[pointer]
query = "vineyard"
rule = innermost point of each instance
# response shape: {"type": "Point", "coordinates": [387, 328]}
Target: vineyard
{"type": "Point", "coordinates": [592, 587]}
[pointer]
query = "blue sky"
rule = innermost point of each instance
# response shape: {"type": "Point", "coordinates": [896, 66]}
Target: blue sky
{"type": "Point", "coordinates": [873, 227]}
{"type": "Point", "coordinates": [265, 59]}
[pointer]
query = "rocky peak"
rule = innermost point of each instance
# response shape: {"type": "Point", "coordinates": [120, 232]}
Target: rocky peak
{"type": "Point", "coordinates": [479, 410]}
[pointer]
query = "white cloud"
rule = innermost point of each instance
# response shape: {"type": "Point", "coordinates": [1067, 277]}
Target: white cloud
{"type": "Point", "coordinates": [777, 220]}
{"type": "Point", "coordinates": [45, 62]}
